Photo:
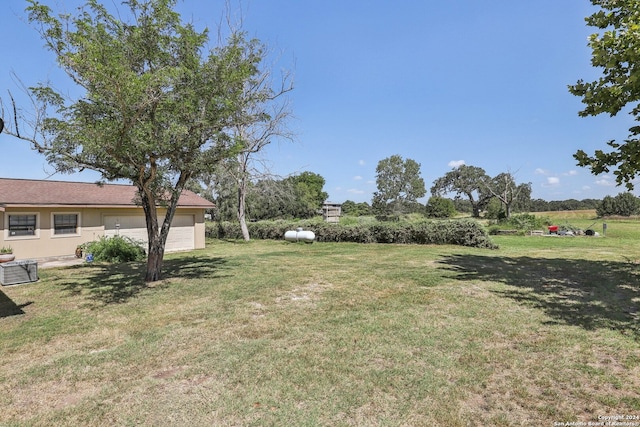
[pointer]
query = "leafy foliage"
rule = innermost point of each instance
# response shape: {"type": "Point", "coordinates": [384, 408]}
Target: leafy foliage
{"type": "Point", "coordinates": [352, 208]}
{"type": "Point", "coordinates": [399, 186]}
{"type": "Point", "coordinates": [616, 52]}
{"type": "Point", "coordinates": [308, 194]}
{"type": "Point", "coordinates": [440, 207]}
{"type": "Point", "coordinates": [504, 188]}
{"type": "Point", "coordinates": [156, 107]}
{"type": "Point", "coordinates": [494, 210]}
{"type": "Point", "coordinates": [115, 249]}
{"type": "Point", "coordinates": [466, 180]}
{"type": "Point", "coordinates": [522, 222]}
{"type": "Point", "coordinates": [480, 189]}
{"type": "Point", "coordinates": [624, 204]}
{"type": "Point", "coordinates": [298, 196]}
{"type": "Point", "coordinates": [540, 205]}
{"type": "Point", "coordinates": [463, 232]}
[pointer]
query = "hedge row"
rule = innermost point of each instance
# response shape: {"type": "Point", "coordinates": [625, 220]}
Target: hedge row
{"type": "Point", "coordinates": [463, 232]}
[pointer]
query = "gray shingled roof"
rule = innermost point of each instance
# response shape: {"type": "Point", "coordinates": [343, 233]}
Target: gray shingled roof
{"type": "Point", "coordinates": [27, 192]}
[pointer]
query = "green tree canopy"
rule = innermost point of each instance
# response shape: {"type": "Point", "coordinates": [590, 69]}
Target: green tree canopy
{"type": "Point", "coordinates": [349, 207]}
{"type": "Point", "coordinates": [309, 194]}
{"type": "Point", "coordinates": [297, 196]}
{"type": "Point", "coordinates": [504, 188]}
{"type": "Point", "coordinates": [616, 52]}
{"type": "Point", "coordinates": [440, 207]}
{"type": "Point", "coordinates": [470, 181]}
{"type": "Point", "coordinates": [270, 199]}
{"type": "Point", "coordinates": [624, 204]}
{"type": "Point", "coordinates": [156, 106]}
{"type": "Point", "coordinates": [399, 186]}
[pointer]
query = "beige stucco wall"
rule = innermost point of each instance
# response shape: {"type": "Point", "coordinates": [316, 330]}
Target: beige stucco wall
{"type": "Point", "coordinates": [200, 228]}
{"type": "Point", "coordinates": [46, 244]}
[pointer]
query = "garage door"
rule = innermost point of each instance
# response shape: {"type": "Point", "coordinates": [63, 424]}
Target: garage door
{"type": "Point", "coordinates": [181, 234]}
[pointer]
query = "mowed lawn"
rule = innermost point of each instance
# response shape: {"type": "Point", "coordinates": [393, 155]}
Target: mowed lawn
{"type": "Point", "coordinates": [544, 330]}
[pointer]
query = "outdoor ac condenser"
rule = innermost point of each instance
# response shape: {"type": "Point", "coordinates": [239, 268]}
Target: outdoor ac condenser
{"type": "Point", "coordinates": [15, 272]}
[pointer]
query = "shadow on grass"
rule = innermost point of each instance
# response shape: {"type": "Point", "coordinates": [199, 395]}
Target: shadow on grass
{"type": "Point", "coordinates": [117, 283]}
{"type": "Point", "coordinates": [9, 308]}
{"type": "Point", "coordinates": [589, 294]}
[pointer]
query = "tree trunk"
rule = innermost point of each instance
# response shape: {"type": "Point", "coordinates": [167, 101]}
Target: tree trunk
{"type": "Point", "coordinates": [156, 236]}
{"type": "Point", "coordinates": [154, 261]}
{"type": "Point", "coordinates": [155, 248]}
{"type": "Point", "coordinates": [242, 192]}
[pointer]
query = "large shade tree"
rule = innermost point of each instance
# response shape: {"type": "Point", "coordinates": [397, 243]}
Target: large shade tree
{"type": "Point", "coordinates": [308, 189]}
{"type": "Point", "coordinates": [156, 101]}
{"type": "Point", "coordinates": [399, 186]}
{"type": "Point", "coordinates": [505, 189]}
{"type": "Point", "coordinates": [616, 52]}
{"type": "Point", "coordinates": [468, 181]}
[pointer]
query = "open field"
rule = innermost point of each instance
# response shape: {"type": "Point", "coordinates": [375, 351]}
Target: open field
{"type": "Point", "coordinates": [543, 330]}
{"type": "Point", "coordinates": [584, 214]}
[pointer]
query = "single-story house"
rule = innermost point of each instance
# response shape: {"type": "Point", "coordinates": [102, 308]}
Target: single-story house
{"type": "Point", "coordinates": [41, 219]}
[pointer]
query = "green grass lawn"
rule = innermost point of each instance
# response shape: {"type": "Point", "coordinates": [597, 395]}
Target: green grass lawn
{"type": "Point", "coordinates": [542, 330]}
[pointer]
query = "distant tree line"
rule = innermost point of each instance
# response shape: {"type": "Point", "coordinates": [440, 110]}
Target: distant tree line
{"type": "Point", "coordinates": [400, 185]}
{"type": "Point", "coordinates": [399, 188]}
{"type": "Point", "coordinates": [540, 205]}
{"type": "Point", "coordinates": [474, 192]}
{"type": "Point", "coordinates": [624, 204]}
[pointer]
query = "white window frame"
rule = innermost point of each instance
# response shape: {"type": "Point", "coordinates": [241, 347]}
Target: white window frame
{"type": "Point", "coordinates": [7, 232]}
{"type": "Point", "coordinates": [62, 236]}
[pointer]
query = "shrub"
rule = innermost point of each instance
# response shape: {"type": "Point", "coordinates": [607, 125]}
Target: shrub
{"type": "Point", "coordinates": [440, 207]}
{"type": "Point", "coordinates": [526, 221]}
{"type": "Point", "coordinates": [495, 210]}
{"type": "Point", "coordinates": [522, 222]}
{"type": "Point", "coordinates": [115, 249]}
{"type": "Point", "coordinates": [464, 232]}
{"type": "Point", "coordinates": [624, 204]}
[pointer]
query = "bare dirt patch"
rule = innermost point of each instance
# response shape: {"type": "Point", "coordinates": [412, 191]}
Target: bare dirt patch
{"type": "Point", "coordinates": [306, 294]}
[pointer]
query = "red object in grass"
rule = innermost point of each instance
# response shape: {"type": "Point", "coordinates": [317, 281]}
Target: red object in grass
{"type": "Point", "coordinates": [553, 229]}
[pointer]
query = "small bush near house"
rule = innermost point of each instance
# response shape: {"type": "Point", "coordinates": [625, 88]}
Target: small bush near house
{"type": "Point", "coordinates": [115, 249]}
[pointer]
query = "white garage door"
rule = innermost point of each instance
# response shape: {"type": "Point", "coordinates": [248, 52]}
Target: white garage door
{"type": "Point", "coordinates": [181, 234]}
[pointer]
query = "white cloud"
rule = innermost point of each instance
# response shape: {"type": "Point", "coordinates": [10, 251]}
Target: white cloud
{"type": "Point", "coordinates": [456, 163]}
{"type": "Point", "coordinates": [361, 162]}
{"type": "Point", "coordinates": [571, 173]}
{"type": "Point", "coordinates": [605, 181]}
{"type": "Point", "coordinates": [540, 171]}
{"type": "Point", "coordinates": [371, 182]}
{"type": "Point", "coordinates": [357, 178]}
{"type": "Point", "coordinates": [355, 191]}
{"type": "Point", "coordinates": [553, 180]}
{"type": "Point", "coordinates": [586, 187]}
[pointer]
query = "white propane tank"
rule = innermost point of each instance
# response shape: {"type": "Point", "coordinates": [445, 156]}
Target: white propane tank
{"type": "Point", "coordinates": [300, 235]}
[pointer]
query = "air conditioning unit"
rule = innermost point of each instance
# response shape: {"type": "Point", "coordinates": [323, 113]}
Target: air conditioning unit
{"type": "Point", "coordinates": [15, 272]}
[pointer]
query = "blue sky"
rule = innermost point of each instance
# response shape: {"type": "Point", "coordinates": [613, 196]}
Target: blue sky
{"type": "Point", "coordinates": [443, 83]}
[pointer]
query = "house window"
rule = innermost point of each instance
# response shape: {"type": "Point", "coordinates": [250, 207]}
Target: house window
{"type": "Point", "coordinates": [65, 224]}
{"type": "Point", "coordinates": [22, 225]}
